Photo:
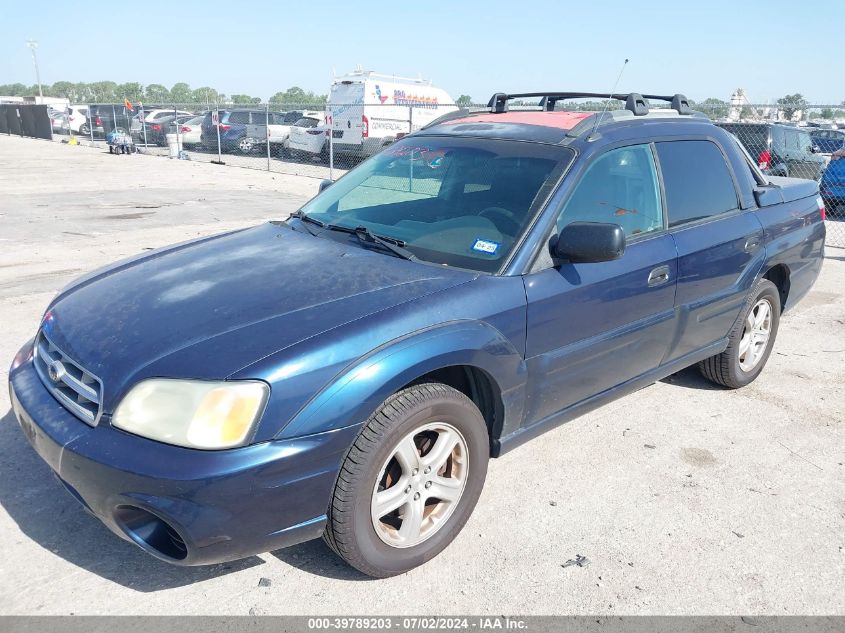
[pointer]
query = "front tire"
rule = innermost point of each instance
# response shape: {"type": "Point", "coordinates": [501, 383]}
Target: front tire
{"type": "Point", "coordinates": [750, 341]}
{"type": "Point", "coordinates": [410, 481]}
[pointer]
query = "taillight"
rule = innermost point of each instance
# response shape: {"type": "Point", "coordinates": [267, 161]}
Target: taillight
{"type": "Point", "coordinates": [365, 127]}
{"type": "Point", "coordinates": [822, 210]}
{"type": "Point", "coordinates": [98, 121]}
{"type": "Point", "coordinates": [764, 159]}
{"type": "Point", "coordinates": [184, 128]}
{"type": "Point", "coordinates": [314, 132]}
{"type": "Point", "coordinates": [223, 126]}
{"type": "Point", "coordinates": [155, 127]}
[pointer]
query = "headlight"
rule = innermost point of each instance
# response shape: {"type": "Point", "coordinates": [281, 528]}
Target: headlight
{"type": "Point", "coordinates": [192, 413]}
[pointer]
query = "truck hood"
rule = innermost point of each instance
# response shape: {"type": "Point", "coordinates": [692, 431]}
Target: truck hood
{"type": "Point", "coordinates": [208, 308]}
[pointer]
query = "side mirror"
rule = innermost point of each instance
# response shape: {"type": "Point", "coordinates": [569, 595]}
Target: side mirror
{"type": "Point", "coordinates": [325, 184]}
{"type": "Point", "coordinates": [815, 149]}
{"type": "Point", "coordinates": [588, 242]}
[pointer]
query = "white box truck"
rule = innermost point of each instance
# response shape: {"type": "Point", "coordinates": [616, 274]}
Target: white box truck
{"type": "Point", "coordinates": [367, 111]}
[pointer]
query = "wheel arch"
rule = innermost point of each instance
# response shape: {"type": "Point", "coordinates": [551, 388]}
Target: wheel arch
{"type": "Point", "coordinates": [779, 276]}
{"type": "Point", "coordinates": [470, 356]}
{"type": "Point", "coordinates": [477, 385]}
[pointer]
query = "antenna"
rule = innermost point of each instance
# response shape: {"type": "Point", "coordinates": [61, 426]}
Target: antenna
{"type": "Point", "coordinates": [609, 98]}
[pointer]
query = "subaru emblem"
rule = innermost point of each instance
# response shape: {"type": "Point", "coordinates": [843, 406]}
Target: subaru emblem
{"type": "Point", "coordinates": [56, 370]}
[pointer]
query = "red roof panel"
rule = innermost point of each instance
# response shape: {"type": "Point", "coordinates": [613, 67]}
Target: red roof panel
{"type": "Point", "coordinates": [561, 120]}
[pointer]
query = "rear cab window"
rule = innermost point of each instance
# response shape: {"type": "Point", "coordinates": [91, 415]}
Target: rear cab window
{"type": "Point", "coordinates": [697, 181]}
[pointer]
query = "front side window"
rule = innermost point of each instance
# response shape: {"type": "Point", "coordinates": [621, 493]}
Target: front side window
{"type": "Point", "coordinates": [620, 187]}
{"type": "Point", "coordinates": [460, 202]}
{"type": "Point", "coordinates": [697, 181]}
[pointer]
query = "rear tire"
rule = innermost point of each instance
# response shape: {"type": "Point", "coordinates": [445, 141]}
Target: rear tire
{"type": "Point", "coordinates": [750, 341]}
{"type": "Point", "coordinates": [385, 517]}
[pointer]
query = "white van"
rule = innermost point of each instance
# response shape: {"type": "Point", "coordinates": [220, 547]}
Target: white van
{"type": "Point", "coordinates": [367, 111]}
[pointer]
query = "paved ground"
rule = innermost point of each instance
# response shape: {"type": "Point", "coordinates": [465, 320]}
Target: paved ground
{"type": "Point", "coordinates": [685, 498]}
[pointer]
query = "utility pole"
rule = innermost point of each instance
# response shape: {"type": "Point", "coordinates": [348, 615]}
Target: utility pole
{"type": "Point", "coordinates": [32, 46]}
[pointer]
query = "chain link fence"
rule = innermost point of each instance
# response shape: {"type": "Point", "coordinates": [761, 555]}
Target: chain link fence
{"type": "Point", "coordinates": [324, 141]}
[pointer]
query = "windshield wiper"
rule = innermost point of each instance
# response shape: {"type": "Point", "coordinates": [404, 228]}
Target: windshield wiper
{"type": "Point", "coordinates": [307, 219]}
{"type": "Point", "coordinates": [395, 246]}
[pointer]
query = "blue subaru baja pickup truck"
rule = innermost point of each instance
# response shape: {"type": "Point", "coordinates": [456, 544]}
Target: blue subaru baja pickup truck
{"type": "Point", "coordinates": [349, 372]}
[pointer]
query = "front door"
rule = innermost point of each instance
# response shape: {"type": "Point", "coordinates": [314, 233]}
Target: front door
{"type": "Point", "coordinates": [593, 326]}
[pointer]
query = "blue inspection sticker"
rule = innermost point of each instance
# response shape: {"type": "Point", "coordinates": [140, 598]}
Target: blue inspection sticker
{"type": "Point", "coordinates": [487, 247]}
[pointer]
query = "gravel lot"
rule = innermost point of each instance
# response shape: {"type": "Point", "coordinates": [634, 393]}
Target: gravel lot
{"type": "Point", "coordinates": [685, 498]}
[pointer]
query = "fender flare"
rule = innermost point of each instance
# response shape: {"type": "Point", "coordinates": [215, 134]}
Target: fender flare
{"type": "Point", "coordinates": [354, 394]}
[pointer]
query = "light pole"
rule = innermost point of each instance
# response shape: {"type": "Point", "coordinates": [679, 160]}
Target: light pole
{"type": "Point", "coordinates": [32, 46]}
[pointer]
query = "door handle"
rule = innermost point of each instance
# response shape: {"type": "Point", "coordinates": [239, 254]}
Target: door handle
{"type": "Point", "coordinates": [658, 276]}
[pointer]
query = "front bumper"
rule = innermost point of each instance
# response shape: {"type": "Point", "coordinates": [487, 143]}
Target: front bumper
{"type": "Point", "coordinates": [185, 506]}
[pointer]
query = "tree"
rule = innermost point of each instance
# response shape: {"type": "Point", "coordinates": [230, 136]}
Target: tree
{"type": "Point", "coordinates": [464, 101]}
{"type": "Point", "coordinates": [204, 95]}
{"type": "Point", "coordinates": [181, 93]}
{"type": "Point", "coordinates": [66, 89]}
{"type": "Point", "coordinates": [14, 90]}
{"type": "Point", "coordinates": [132, 91]}
{"type": "Point", "coordinates": [156, 93]}
{"type": "Point", "coordinates": [245, 100]}
{"type": "Point", "coordinates": [103, 91]}
{"type": "Point", "coordinates": [826, 113]}
{"type": "Point", "coordinates": [714, 108]}
{"type": "Point", "coordinates": [297, 96]}
{"type": "Point", "coordinates": [790, 104]}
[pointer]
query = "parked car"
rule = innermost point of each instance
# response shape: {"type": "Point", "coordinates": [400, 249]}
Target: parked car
{"type": "Point", "coordinates": [308, 137]}
{"type": "Point", "coordinates": [780, 150]}
{"type": "Point", "coordinates": [156, 115]}
{"type": "Point", "coordinates": [108, 116]}
{"type": "Point", "coordinates": [189, 128]}
{"type": "Point", "coordinates": [368, 111]}
{"type": "Point", "coordinates": [59, 122]}
{"type": "Point", "coordinates": [78, 118]}
{"type": "Point", "coordinates": [276, 132]}
{"type": "Point", "coordinates": [833, 185]}
{"type": "Point", "coordinates": [233, 130]}
{"type": "Point", "coordinates": [349, 372]}
{"type": "Point", "coordinates": [829, 141]}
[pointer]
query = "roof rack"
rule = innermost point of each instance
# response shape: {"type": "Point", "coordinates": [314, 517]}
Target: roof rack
{"type": "Point", "coordinates": [635, 102]}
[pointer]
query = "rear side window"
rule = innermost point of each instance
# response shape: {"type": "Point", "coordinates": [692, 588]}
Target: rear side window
{"type": "Point", "coordinates": [239, 117]}
{"type": "Point", "coordinates": [697, 181]}
{"type": "Point", "coordinates": [307, 122]}
{"type": "Point", "coordinates": [292, 117]}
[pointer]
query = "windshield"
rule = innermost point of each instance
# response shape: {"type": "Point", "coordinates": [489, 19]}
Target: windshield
{"type": "Point", "coordinates": [460, 202]}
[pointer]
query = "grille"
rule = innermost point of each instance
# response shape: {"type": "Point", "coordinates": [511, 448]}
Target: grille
{"type": "Point", "coordinates": [78, 390]}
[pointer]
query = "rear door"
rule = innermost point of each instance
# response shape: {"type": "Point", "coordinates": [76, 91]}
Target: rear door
{"type": "Point", "coordinates": [720, 246]}
{"type": "Point", "coordinates": [593, 326]}
{"type": "Point", "coordinates": [346, 111]}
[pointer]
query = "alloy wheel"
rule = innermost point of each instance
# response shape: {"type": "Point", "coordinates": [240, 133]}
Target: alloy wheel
{"type": "Point", "coordinates": [420, 485]}
{"type": "Point", "coordinates": [755, 335]}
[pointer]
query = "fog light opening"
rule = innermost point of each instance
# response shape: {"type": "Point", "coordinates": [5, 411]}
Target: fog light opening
{"type": "Point", "coordinates": [151, 532]}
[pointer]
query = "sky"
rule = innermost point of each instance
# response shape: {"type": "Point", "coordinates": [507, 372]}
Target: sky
{"type": "Point", "coordinates": [769, 48]}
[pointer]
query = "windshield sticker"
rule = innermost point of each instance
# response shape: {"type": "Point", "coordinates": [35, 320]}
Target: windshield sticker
{"type": "Point", "coordinates": [485, 246]}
